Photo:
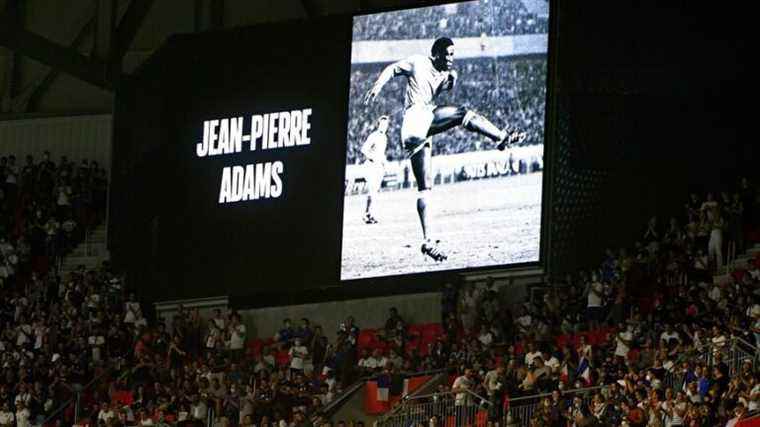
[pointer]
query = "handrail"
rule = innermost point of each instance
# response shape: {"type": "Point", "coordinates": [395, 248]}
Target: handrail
{"type": "Point", "coordinates": [445, 393]}
{"type": "Point", "coordinates": [741, 340]}
{"type": "Point", "coordinates": [394, 410]}
{"type": "Point", "coordinates": [350, 390]}
{"type": "Point", "coordinates": [58, 411]}
{"type": "Point", "coordinates": [75, 398]}
{"type": "Point", "coordinates": [532, 397]}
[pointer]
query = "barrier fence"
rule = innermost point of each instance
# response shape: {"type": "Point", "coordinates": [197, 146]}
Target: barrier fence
{"type": "Point", "coordinates": [444, 409]}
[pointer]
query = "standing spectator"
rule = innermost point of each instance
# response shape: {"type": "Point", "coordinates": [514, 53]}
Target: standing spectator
{"type": "Point", "coordinates": [7, 418]}
{"type": "Point", "coordinates": [237, 337]}
{"type": "Point", "coordinates": [297, 353]}
{"type": "Point", "coordinates": [594, 302]}
{"type": "Point", "coordinates": [213, 337]}
{"type": "Point", "coordinates": [494, 385]}
{"type": "Point", "coordinates": [715, 244]}
{"type": "Point", "coordinates": [22, 415]}
{"type": "Point", "coordinates": [462, 400]}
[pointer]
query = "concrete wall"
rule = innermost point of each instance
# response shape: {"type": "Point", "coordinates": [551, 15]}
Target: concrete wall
{"type": "Point", "coordinates": [77, 137]}
{"type": "Point", "coordinates": [368, 313]}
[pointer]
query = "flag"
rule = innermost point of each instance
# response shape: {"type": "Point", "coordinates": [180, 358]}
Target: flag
{"type": "Point", "coordinates": [376, 398]}
{"type": "Point", "coordinates": [564, 375]}
{"type": "Point", "coordinates": [383, 388]}
{"type": "Point", "coordinates": [584, 371]}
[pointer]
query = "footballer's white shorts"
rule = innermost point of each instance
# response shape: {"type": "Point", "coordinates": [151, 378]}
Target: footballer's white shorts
{"type": "Point", "coordinates": [373, 175]}
{"type": "Point", "coordinates": [415, 128]}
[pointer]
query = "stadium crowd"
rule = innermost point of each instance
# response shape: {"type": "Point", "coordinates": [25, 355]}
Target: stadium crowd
{"type": "Point", "coordinates": [471, 19]}
{"type": "Point", "coordinates": [51, 331]}
{"type": "Point", "coordinates": [45, 208]}
{"type": "Point", "coordinates": [503, 90]}
{"type": "Point", "coordinates": [648, 327]}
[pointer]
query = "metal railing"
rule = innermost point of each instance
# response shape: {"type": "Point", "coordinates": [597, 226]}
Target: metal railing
{"type": "Point", "coordinates": [473, 410]}
{"type": "Point", "coordinates": [57, 417]}
{"type": "Point", "coordinates": [521, 409]}
{"type": "Point", "coordinates": [413, 395]}
{"type": "Point", "coordinates": [465, 408]}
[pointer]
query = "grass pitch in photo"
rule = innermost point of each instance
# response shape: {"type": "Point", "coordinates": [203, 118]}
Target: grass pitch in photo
{"type": "Point", "coordinates": [444, 156]}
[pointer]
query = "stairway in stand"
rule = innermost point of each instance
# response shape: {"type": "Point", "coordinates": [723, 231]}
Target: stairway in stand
{"type": "Point", "coordinates": [90, 253]}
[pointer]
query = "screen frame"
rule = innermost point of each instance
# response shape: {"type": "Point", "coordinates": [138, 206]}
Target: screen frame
{"type": "Point", "coordinates": [550, 125]}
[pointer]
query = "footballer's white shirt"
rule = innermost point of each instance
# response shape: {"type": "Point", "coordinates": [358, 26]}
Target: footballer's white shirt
{"type": "Point", "coordinates": [374, 147]}
{"type": "Point", "coordinates": [424, 81]}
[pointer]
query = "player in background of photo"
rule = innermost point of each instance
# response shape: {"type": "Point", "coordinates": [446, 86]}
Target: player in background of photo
{"type": "Point", "coordinates": [373, 150]}
{"type": "Point", "coordinates": [427, 77]}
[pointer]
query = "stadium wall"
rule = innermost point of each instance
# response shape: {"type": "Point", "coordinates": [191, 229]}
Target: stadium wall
{"type": "Point", "coordinates": [368, 313]}
{"type": "Point", "coordinates": [77, 137]}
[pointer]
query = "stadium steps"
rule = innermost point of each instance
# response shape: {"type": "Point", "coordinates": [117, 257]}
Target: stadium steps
{"type": "Point", "coordinates": [90, 253]}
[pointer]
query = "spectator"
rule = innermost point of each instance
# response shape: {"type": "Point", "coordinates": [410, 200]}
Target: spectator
{"type": "Point", "coordinates": [298, 353]}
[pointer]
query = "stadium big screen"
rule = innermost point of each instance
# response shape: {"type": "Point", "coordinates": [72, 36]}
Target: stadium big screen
{"type": "Point", "coordinates": [388, 144]}
{"type": "Point", "coordinates": [445, 140]}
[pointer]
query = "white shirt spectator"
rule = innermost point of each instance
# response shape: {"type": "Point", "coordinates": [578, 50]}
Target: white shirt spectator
{"type": "Point", "coordinates": [715, 293]}
{"type": "Point", "coordinates": [131, 308]}
{"type": "Point", "coordinates": [96, 342]}
{"type": "Point", "coordinates": [237, 337]}
{"type": "Point", "coordinates": [213, 337]}
{"type": "Point", "coordinates": [106, 414]}
{"type": "Point", "coordinates": [25, 334]}
{"type": "Point", "coordinates": [530, 357]}
{"type": "Point", "coordinates": [297, 354]}
{"type": "Point", "coordinates": [462, 382]}
{"type": "Point", "coordinates": [22, 418]}
{"type": "Point", "coordinates": [553, 364]}
{"type": "Point", "coordinates": [380, 362]}
{"type": "Point", "coordinates": [7, 418]}
{"type": "Point", "coordinates": [24, 398]}
{"type": "Point", "coordinates": [623, 340]}
{"type": "Point", "coordinates": [719, 341]}
{"type": "Point", "coordinates": [219, 322]}
{"type": "Point", "coordinates": [486, 338]}
{"type": "Point", "coordinates": [525, 320]}
{"type": "Point", "coordinates": [754, 273]}
{"type": "Point", "coordinates": [754, 398]}
{"type": "Point", "coordinates": [140, 320]}
{"type": "Point", "coordinates": [667, 337]}
{"type": "Point", "coordinates": [39, 336]}
{"type": "Point", "coordinates": [367, 362]}
{"type": "Point", "coordinates": [199, 410]}
{"type": "Point", "coordinates": [595, 294]}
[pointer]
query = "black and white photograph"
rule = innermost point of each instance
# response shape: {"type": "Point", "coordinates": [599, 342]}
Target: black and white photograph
{"type": "Point", "coordinates": [445, 138]}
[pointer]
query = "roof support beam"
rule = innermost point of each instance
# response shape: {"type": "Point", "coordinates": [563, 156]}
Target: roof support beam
{"type": "Point", "coordinates": [127, 30]}
{"type": "Point", "coordinates": [53, 73]}
{"type": "Point", "coordinates": [14, 37]}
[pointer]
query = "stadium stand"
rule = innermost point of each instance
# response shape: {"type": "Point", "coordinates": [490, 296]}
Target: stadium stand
{"type": "Point", "coordinates": [649, 337]}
